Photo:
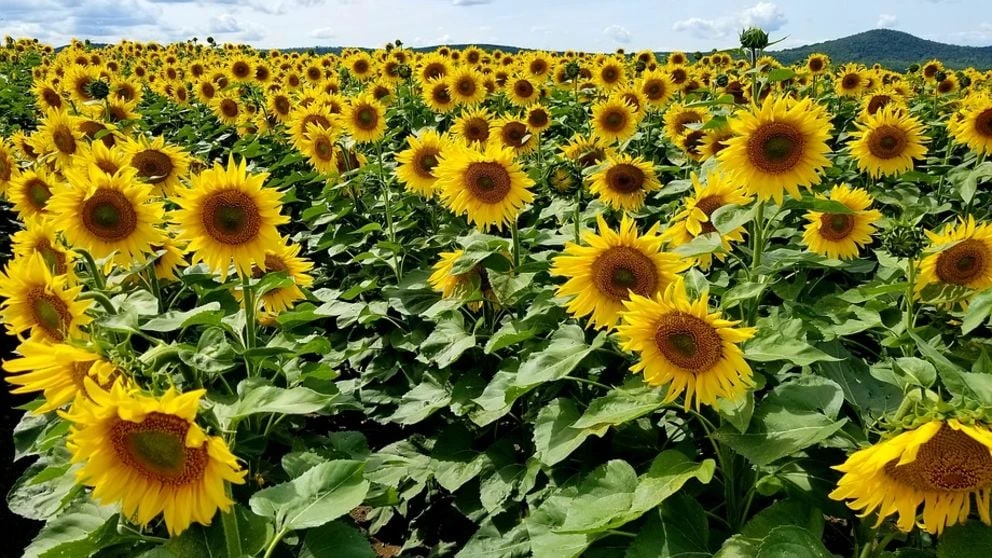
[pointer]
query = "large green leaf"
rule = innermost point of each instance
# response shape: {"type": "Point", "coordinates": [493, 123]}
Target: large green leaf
{"type": "Point", "coordinates": [323, 493]}
{"type": "Point", "coordinates": [969, 540]}
{"type": "Point", "coordinates": [74, 532]}
{"type": "Point", "coordinates": [555, 438]}
{"type": "Point", "coordinates": [254, 397]}
{"type": "Point", "coordinates": [789, 541]}
{"type": "Point", "coordinates": [426, 398]}
{"type": "Point", "coordinates": [679, 529]}
{"type": "Point", "coordinates": [448, 341]}
{"type": "Point", "coordinates": [338, 540]}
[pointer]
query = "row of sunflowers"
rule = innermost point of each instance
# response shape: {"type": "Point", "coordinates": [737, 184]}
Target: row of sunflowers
{"type": "Point", "coordinates": [482, 303]}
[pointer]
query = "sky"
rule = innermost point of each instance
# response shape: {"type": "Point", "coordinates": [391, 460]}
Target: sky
{"type": "Point", "coordinates": [591, 25]}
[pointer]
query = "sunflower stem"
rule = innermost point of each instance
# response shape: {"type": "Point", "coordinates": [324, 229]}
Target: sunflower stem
{"type": "Point", "coordinates": [156, 286]}
{"type": "Point", "coordinates": [910, 291]}
{"type": "Point", "coordinates": [389, 211]}
{"type": "Point", "coordinates": [229, 520]}
{"type": "Point", "coordinates": [248, 297]}
{"type": "Point", "coordinates": [577, 217]}
{"type": "Point", "coordinates": [758, 237]}
{"type": "Point", "coordinates": [515, 236]}
{"type": "Point", "coordinates": [275, 542]}
{"type": "Point", "coordinates": [101, 283]}
{"type": "Point", "coordinates": [101, 298]}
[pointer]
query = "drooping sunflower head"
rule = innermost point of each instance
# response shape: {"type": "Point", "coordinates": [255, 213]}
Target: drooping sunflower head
{"type": "Point", "coordinates": [487, 185]}
{"type": "Point", "coordinates": [608, 267]}
{"type": "Point", "coordinates": [35, 300]}
{"type": "Point", "coordinates": [694, 218]}
{"type": "Point", "coordinates": [777, 147]}
{"type": "Point", "coordinates": [148, 454]}
{"type": "Point", "coordinates": [941, 464]}
{"type": "Point", "coordinates": [682, 345]}
{"type": "Point", "coordinates": [157, 163]}
{"type": "Point", "coordinates": [624, 182]}
{"type": "Point", "coordinates": [614, 120]}
{"type": "Point", "coordinates": [887, 142]}
{"type": "Point", "coordinates": [444, 280]}
{"type": "Point", "coordinates": [474, 126]}
{"type": "Point", "coordinates": [961, 257]}
{"type": "Point", "coordinates": [587, 151]}
{"type": "Point", "coordinates": [39, 236]}
{"type": "Point", "coordinates": [57, 370]}
{"type": "Point", "coordinates": [842, 235]}
{"type": "Point", "coordinates": [228, 215]}
{"type": "Point", "coordinates": [415, 165]}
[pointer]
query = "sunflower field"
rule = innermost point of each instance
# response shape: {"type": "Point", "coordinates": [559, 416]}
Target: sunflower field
{"type": "Point", "coordinates": [488, 304]}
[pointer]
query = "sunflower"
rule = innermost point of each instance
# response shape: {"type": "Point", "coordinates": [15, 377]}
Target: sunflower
{"type": "Point", "coordinates": [431, 67]}
{"type": "Point", "coordinates": [465, 86]}
{"type": "Point", "coordinates": [948, 85]}
{"type": "Point", "coordinates": [457, 285]}
{"type": "Point", "coordinates": [963, 257]}
{"type": "Point", "coordinates": [279, 106]}
{"type": "Point", "coordinates": [624, 182]}
{"type": "Point", "coordinates": [48, 96]}
{"type": "Point", "coordinates": [304, 116]}
{"type": "Point", "coordinates": [57, 370]}
{"type": "Point", "coordinates": [169, 255]}
{"type": "Point", "coordinates": [473, 126]}
{"type": "Point", "coordinates": [941, 464]}
{"type": "Point", "coordinates": [609, 75]}
{"type": "Point", "coordinates": [41, 302]}
{"type": "Point", "coordinates": [513, 134]}
{"type": "Point", "coordinates": [609, 267]}
{"type": "Point", "coordinates": [228, 215]}
{"type": "Point", "coordinates": [538, 119]}
{"type": "Point", "coordinates": [415, 166]}
{"type": "Point", "coordinates": [284, 259]}
{"type": "Point", "coordinates": [157, 163]}
{"type": "Point", "coordinates": [679, 117]}
{"type": "Point", "coordinates": [229, 109]}
{"type": "Point", "coordinates": [60, 136]}
{"type": "Point", "coordinates": [365, 118]}
{"type": "Point", "coordinates": [656, 87]}
{"type": "Point", "coordinates": [39, 237]}
{"type": "Point", "coordinates": [149, 455]}
{"type": "Point", "coordinates": [8, 166]}
{"type": "Point", "coordinates": [105, 213]}
{"type": "Point", "coordinates": [587, 151]}
{"type": "Point", "coordinates": [817, 63]}
{"type": "Point", "coordinates": [107, 159]}
{"type": "Point", "coordinates": [841, 235]}
{"type": "Point", "coordinates": [25, 145]}
{"type": "Point", "coordinates": [715, 140]}
{"type": "Point", "coordinates": [850, 81]}
{"type": "Point", "coordinates": [886, 142]}
{"type": "Point", "coordinates": [30, 192]}
{"type": "Point", "coordinates": [694, 218]}
{"type": "Point", "coordinates": [778, 147]}
{"type": "Point", "coordinates": [318, 146]}
{"type": "Point", "coordinates": [614, 120]}
{"type": "Point", "coordinates": [680, 344]}
{"type": "Point", "coordinates": [522, 92]}
{"type": "Point", "coordinates": [487, 185]}
{"type": "Point", "coordinates": [974, 125]}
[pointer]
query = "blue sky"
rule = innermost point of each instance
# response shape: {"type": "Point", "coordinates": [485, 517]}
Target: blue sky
{"type": "Point", "coordinates": [595, 25]}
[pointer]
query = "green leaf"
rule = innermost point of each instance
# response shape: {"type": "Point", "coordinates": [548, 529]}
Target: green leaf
{"type": "Point", "coordinates": [729, 218]}
{"type": "Point", "coordinates": [426, 398]}
{"type": "Point", "coordinates": [969, 185]}
{"type": "Point", "coordinates": [703, 244]}
{"type": "Point", "coordinates": [679, 529]}
{"type": "Point", "coordinates": [563, 354]}
{"type": "Point", "coordinates": [254, 531]}
{"type": "Point", "coordinates": [825, 206]}
{"type": "Point", "coordinates": [42, 490]}
{"type": "Point", "coordinates": [255, 397]}
{"type": "Point", "coordinates": [554, 436]}
{"type": "Point", "coordinates": [978, 312]}
{"type": "Point", "coordinates": [336, 539]}
{"type": "Point", "coordinates": [622, 405]}
{"type": "Point", "coordinates": [489, 542]}
{"type": "Point", "coordinates": [772, 345]}
{"type": "Point", "coordinates": [72, 529]}
{"type": "Point", "coordinates": [448, 341]}
{"type": "Point", "coordinates": [323, 493]}
{"type": "Point", "coordinates": [613, 495]}
{"type": "Point", "coordinates": [793, 417]}
{"type": "Point", "coordinates": [916, 371]}
{"type": "Point", "coordinates": [454, 460]}
{"type": "Point", "coordinates": [209, 313]}
{"type": "Point", "coordinates": [510, 333]}
{"type": "Point", "coordinates": [969, 540]}
{"type": "Point", "coordinates": [737, 412]}
{"type": "Point", "coordinates": [789, 541]}
{"type": "Point", "coordinates": [780, 74]}
{"type": "Point", "coordinates": [784, 512]}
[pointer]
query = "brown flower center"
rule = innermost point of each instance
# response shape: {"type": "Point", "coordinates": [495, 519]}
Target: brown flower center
{"type": "Point", "coordinates": [434, 70]}
{"type": "Point", "coordinates": [625, 178]}
{"type": "Point", "coordinates": [878, 102]}
{"type": "Point", "coordinates": [654, 89]}
{"type": "Point", "coordinates": [963, 263]}
{"type": "Point", "coordinates": [815, 64]}
{"type": "Point", "coordinates": [366, 118]}
{"type": "Point", "coordinates": [523, 89]}
{"type": "Point", "coordinates": [610, 74]}
{"type": "Point", "coordinates": [152, 165]}
{"type": "Point", "coordinates": [537, 118]}
{"type": "Point", "coordinates": [440, 94]}
{"type": "Point", "coordinates": [680, 120]}
{"type": "Point", "coordinates": [983, 123]}
{"type": "Point", "coordinates": [425, 161]}
{"type": "Point", "coordinates": [229, 108]}
{"type": "Point", "coordinates": [679, 76]}
{"type": "Point", "coordinates": [708, 205]}
{"type": "Point", "coordinates": [55, 259]}
{"type": "Point", "coordinates": [109, 215]}
{"type": "Point", "coordinates": [476, 129]}
{"type": "Point", "coordinates": [775, 147]}
{"type": "Point", "coordinates": [488, 182]}
{"type": "Point", "coordinates": [887, 142]}
{"type": "Point", "coordinates": [315, 120]}
{"type": "Point", "coordinates": [231, 217]}
{"type": "Point", "coordinates": [514, 134]}
{"type": "Point", "coordinates": [156, 448]}
{"type": "Point", "coordinates": [593, 156]}
{"type": "Point", "coordinates": [323, 148]}
{"type": "Point", "coordinates": [281, 104]}
{"type": "Point", "coordinates": [37, 193]}
{"type": "Point", "coordinates": [836, 226]}
{"type": "Point", "coordinates": [64, 140]}
{"type": "Point", "coordinates": [951, 461]}
{"type": "Point", "coordinates": [622, 269]}
{"type": "Point", "coordinates": [466, 86]}
{"type": "Point", "coordinates": [51, 98]}
{"type": "Point", "coordinates": [850, 81]}
{"type": "Point", "coordinates": [241, 69]}
{"type": "Point", "coordinates": [50, 313]}
{"type": "Point", "coordinates": [693, 141]}
{"type": "Point", "coordinates": [688, 342]}
{"type": "Point", "coordinates": [614, 119]}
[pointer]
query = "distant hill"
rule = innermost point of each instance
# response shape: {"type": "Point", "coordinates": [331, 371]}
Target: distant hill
{"type": "Point", "coordinates": [893, 49]}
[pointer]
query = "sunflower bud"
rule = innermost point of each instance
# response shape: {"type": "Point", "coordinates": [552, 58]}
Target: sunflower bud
{"type": "Point", "coordinates": [964, 80]}
{"type": "Point", "coordinates": [722, 80]}
{"type": "Point", "coordinates": [403, 70]}
{"type": "Point", "coordinates": [563, 178]}
{"type": "Point", "coordinates": [98, 89]}
{"type": "Point", "coordinates": [639, 66]}
{"type": "Point", "coordinates": [572, 70]}
{"type": "Point", "coordinates": [913, 68]}
{"type": "Point", "coordinates": [903, 240]}
{"type": "Point", "coordinates": [940, 76]}
{"type": "Point", "coordinates": [754, 38]}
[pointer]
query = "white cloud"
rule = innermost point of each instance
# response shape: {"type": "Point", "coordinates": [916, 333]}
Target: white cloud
{"type": "Point", "coordinates": [469, 2]}
{"type": "Point", "coordinates": [617, 33]}
{"type": "Point", "coordinates": [323, 33]}
{"type": "Point", "coordinates": [980, 36]}
{"type": "Point", "coordinates": [886, 21]}
{"type": "Point", "coordinates": [230, 28]}
{"type": "Point", "coordinates": [767, 15]}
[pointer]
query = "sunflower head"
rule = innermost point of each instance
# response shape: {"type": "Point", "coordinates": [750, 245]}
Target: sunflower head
{"type": "Point", "coordinates": [961, 256]}
{"type": "Point", "coordinates": [624, 182]}
{"type": "Point", "coordinates": [489, 185]}
{"type": "Point", "coordinates": [842, 235]}
{"type": "Point", "coordinates": [35, 300]}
